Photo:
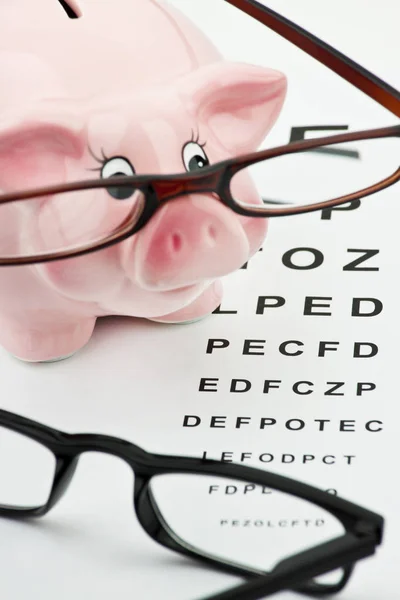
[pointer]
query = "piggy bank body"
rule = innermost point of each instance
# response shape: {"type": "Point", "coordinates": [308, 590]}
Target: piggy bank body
{"type": "Point", "coordinates": [136, 86]}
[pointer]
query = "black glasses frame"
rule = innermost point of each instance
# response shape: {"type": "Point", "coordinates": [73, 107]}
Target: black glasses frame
{"type": "Point", "coordinates": [364, 529]}
{"type": "Point", "coordinates": [155, 190]}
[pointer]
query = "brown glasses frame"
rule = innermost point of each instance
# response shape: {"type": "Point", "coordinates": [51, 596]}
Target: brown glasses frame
{"type": "Point", "coordinates": [216, 179]}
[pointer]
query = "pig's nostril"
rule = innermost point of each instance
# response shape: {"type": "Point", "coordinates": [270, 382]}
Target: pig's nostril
{"type": "Point", "coordinates": [211, 235]}
{"type": "Point", "coordinates": [176, 242]}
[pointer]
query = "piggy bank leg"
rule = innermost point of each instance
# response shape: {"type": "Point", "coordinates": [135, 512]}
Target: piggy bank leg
{"type": "Point", "coordinates": [38, 343]}
{"type": "Point", "coordinates": [202, 307]}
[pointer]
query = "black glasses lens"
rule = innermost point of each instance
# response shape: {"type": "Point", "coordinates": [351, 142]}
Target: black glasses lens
{"type": "Point", "coordinates": [27, 471]}
{"type": "Point", "coordinates": [238, 522]}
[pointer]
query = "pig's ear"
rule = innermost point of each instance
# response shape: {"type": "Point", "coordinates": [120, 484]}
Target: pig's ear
{"type": "Point", "coordinates": [239, 102]}
{"type": "Point", "coordinates": [34, 146]}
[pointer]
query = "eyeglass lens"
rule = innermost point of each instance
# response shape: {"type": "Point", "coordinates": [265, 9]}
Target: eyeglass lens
{"type": "Point", "coordinates": [27, 471]}
{"type": "Point", "coordinates": [67, 220]}
{"type": "Point", "coordinates": [320, 174]}
{"type": "Point", "coordinates": [240, 522]}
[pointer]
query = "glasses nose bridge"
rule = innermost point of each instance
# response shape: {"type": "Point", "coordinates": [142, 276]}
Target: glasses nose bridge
{"type": "Point", "coordinates": [68, 458]}
{"type": "Point", "coordinates": [128, 452]}
{"type": "Point", "coordinates": [199, 183]}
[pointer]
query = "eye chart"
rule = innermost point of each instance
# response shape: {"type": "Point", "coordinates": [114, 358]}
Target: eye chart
{"type": "Point", "coordinates": [296, 372]}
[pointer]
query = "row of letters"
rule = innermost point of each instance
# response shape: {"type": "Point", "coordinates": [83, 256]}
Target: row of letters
{"type": "Point", "coordinates": [295, 424]}
{"type": "Point", "coordinates": [251, 347]}
{"type": "Point", "coordinates": [300, 388]}
{"type": "Point", "coordinates": [306, 259]}
{"type": "Point", "coordinates": [285, 458]}
{"type": "Point", "coordinates": [311, 306]}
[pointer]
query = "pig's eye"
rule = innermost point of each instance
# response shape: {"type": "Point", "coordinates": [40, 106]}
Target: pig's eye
{"type": "Point", "coordinates": [194, 157]}
{"type": "Point", "coordinates": [118, 167]}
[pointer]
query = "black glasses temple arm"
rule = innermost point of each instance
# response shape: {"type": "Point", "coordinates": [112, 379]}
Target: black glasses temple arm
{"type": "Point", "coordinates": [302, 567]}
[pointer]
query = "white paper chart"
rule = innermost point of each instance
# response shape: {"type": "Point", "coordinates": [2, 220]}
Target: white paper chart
{"type": "Point", "coordinates": [296, 373]}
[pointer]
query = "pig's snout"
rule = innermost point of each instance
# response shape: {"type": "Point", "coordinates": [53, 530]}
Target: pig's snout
{"type": "Point", "coordinates": [190, 239]}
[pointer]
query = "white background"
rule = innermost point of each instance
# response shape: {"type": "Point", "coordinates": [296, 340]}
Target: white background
{"type": "Point", "coordinates": [137, 380]}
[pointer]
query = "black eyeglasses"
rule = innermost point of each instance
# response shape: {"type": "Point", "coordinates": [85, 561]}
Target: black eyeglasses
{"type": "Point", "coordinates": [133, 200]}
{"type": "Point", "coordinates": [278, 533]}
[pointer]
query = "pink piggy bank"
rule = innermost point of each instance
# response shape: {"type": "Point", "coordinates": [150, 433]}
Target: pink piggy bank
{"type": "Point", "coordinates": [137, 85]}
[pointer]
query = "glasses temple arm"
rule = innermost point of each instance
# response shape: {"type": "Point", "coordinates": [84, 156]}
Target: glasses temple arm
{"type": "Point", "coordinates": [364, 80]}
{"type": "Point", "coordinates": [293, 571]}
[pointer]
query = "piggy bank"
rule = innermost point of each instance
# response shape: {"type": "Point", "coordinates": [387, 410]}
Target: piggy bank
{"type": "Point", "coordinates": [137, 84]}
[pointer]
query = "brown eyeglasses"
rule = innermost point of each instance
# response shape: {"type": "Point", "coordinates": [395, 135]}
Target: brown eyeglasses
{"type": "Point", "coordinates": [47, 237]}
